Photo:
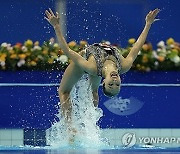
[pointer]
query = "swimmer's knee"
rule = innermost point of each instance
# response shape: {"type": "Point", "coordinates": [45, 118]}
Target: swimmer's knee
{"type": "Point", "coordinates": [63, 91]}
{"type": "Point", "coordinates": [63, 94]}
{"type": "Point", "coordinates": [59, 91]}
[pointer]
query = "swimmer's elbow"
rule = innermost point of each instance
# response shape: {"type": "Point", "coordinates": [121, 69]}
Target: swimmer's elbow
{"type": "Point", "coordinates": [127, 64]}
{"type": "Point", "coordinates": [126, 69]}
{"type": "Point", "coordinates": [87, 67]}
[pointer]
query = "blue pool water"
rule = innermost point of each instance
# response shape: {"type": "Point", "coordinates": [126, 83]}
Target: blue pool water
{"type": "Point", "coordinates": [89, 132]}
{"type": "Point", "coordinates": [78, 150]}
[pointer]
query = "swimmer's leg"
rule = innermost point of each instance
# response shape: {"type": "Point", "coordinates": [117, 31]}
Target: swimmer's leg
{"type": "Point", "coordinates": [66, 109]}
{"type": "Point", "coordinates": [65, 105]}
{"type": "Point", "coordinates": [71, 76]}
{"type": "Point", "coordinates": [95, 82]}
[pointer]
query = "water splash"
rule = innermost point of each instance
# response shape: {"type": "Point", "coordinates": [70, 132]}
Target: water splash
{"type": "Point", "coordinates": [84, 116]}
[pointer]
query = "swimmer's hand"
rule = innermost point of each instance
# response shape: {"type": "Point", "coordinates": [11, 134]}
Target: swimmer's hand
{"type": "Point", "coordinates": [150, 18]}
{"type": "Point", "coordinates": [51, 18]}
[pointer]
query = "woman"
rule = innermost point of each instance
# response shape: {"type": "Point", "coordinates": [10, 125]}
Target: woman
{"type": "Point", "coordinates": [102, 61]}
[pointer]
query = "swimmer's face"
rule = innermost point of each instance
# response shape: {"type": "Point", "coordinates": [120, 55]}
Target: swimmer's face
{"type": "Point", "coordinates": [112, 84]}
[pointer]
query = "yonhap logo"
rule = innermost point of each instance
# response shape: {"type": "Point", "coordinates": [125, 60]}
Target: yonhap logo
{"type": "Point", "coordinates": [129, 139]}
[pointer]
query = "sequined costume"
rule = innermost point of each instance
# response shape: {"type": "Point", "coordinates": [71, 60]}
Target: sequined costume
{"type": "Point", "coordinates": [101, 53]}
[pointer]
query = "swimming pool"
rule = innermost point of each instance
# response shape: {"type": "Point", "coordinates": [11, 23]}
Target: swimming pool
{"type": "Point", "coordinates": [142, 123]}
{"type": "Point", "coordinates": [69, 150]}
{"type": "Point", "coordinates": [158, 91]}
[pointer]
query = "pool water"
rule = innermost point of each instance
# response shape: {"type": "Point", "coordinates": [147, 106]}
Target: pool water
{"type": "Point", "coordinates": [71, 150]}
{"type": "Point", "coordinates": [85, 117]}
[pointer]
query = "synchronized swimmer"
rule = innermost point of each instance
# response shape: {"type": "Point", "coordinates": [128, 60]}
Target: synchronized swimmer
{"type": "Point", "coordinates": [101, 61]}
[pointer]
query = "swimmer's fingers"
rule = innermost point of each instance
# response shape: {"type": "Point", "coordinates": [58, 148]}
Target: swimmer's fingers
{"type": "Point", "coordinates": [51, 18]}
{"type": "Point", "coordinates": [155, 12]}
{"type": "Point", "coordinates": [150, 18]}
{"type": "Point", "coordinates": [156, 20]}
{"type": "Point", "coordinates": [46, 19]}
{"type": "Point", "coordinates": [48, 14]}
{"type": "Point", "coordinates": [52, 14]}
{"type": "Point", "coordinates": [57, 15]}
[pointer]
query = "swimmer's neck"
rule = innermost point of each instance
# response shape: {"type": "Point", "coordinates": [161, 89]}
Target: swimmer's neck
{"type": "Point", "coordinates": [108, 67]}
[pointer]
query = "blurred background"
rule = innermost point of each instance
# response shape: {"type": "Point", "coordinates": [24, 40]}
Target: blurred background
{"type": "Point", "coordinates": [94, 21]}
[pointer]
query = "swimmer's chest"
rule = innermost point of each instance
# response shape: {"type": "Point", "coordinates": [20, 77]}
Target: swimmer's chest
{"type": "Point", "coordinates": [92, 60]}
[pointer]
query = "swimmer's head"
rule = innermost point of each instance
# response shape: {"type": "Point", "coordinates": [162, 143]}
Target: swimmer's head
{"type": "Point", "coordinates": [111, 84]}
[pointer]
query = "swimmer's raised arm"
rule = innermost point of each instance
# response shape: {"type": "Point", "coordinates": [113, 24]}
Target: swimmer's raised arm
{"type": "Point", "coordinates": [75, 57]}
{"type": "Point", "coordinates": [150, 18]}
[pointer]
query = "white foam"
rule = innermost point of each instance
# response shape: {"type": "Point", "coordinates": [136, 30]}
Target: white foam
{"type": "Point", "coordinates": [84, 116]}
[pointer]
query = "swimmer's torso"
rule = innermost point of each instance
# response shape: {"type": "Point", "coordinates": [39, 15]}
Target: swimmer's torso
{"type": "Point", "coordinates": [97, 54]}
